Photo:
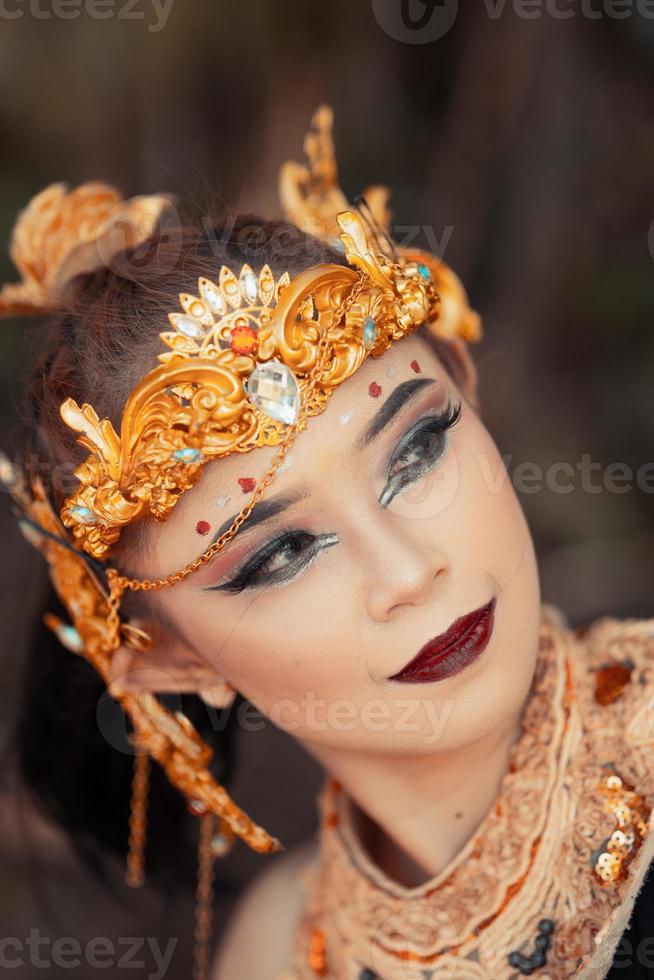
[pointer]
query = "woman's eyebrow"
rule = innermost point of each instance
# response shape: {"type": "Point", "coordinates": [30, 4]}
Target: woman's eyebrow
{"type": "Point", "coordinates": [263, 510]}
{"type": "Point", "coordinates": [405, 392]}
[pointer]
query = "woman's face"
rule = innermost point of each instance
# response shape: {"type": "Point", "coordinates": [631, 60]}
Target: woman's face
{"type": "Point", "coordinates": [393, 516]}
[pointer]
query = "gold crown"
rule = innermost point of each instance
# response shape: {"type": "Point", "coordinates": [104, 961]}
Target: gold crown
{"type": "Point", "coordinates": [248, 360]}
{"type": "Point", "coordinates": [241, 355]}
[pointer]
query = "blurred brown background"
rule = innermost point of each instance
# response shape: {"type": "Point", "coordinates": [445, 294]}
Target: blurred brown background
{"type": "Point", "coordinates": [523, 143]}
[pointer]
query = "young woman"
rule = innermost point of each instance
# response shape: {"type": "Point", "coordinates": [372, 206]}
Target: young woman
{"type": "Point", "coordinates": [487, 809]}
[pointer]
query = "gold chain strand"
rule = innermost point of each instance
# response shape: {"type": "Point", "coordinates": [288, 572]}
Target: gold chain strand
{"type": "Point", "coordinates": [138, 820]}
{"type": "Point", "coordinates": [118, 583]}
{"type": "Point", "coordinates": [204, 898]}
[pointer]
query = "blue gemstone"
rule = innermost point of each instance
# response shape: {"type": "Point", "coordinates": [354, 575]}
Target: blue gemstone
{"type": "Point", "coordinates": [424, 271]}
{"type": "Point", "coordinates": [369, 332]}
{"type": "Point", "coordinates": [83, 514]}
{"type": "Point", "coordinates": [188, 455]}
{"type": "Point", "coordinates": [70, 638]}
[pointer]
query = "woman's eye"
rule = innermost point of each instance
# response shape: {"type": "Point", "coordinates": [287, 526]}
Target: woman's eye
{"type": "Point", "coordinates": [278, 561]}
{"type": "Point", "coordinates": [419, 451]}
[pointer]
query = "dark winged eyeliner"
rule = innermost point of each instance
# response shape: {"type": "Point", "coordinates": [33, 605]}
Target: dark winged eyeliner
{"type": "Point", "coordinates": [401, 395]}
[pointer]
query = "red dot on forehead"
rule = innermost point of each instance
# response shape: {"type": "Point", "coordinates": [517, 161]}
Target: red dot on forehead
{"type": "Point", "coordinates": [374, 390]}
{"type": "Point", "coordinates": [246, 483]}
{"type": "Point", "coordinates": [203, 527]}
{"type": "Point", "coordinates": [415, 367]}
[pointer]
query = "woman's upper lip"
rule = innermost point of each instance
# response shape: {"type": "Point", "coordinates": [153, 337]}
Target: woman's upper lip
{"type": "Point", "coordinates": [438, 647]}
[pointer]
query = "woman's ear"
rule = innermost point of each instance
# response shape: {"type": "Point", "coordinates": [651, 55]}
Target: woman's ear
{"type": "Point", "coordinates": [169, 666]}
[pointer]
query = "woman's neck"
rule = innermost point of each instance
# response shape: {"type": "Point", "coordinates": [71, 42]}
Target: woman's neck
{"type": "Point", "coordinates": [414, 814]}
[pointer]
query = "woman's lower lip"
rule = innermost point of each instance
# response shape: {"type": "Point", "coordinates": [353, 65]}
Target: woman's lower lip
{"type": "Point", "coordinates": [453, 651]}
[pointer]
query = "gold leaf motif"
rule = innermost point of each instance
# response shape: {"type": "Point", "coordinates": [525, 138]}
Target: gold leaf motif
{"type": "Point", "coordinates": [178, 342]}
{"type": "Point", "coordinates": [229, 287]}
{"type": "Point", "coordinates": [196, 308]}
{"type": "Point", "coordinates": [266, 285]}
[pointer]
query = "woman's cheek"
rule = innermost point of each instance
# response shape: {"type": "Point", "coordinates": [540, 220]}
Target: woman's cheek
{"type": "Point", "coordinates": [296, 645]}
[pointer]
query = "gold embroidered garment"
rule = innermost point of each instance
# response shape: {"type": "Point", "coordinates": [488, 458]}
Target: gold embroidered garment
{"type": "Point", "coordinates": [549, 878]}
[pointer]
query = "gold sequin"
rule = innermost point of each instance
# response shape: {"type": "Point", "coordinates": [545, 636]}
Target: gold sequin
{"type": "Point", "coordinates": [632, 816]}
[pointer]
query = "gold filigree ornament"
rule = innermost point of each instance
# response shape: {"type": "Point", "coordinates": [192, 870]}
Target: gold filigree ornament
{"type": "Point", "coordinates": [243, 358]}
{"type": "Point", "coordinates": [247, 361]}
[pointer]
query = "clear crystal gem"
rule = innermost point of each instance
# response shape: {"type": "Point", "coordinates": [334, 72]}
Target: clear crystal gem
{"type": "Point", "coordinates": [8, 472]}
{"type": "Point", "coordinates": [188, 326]}
{"type": "Point", "coordinates": [196, 807]}
{"type": "Point", "coordinates": [220, 845]}
{"type": "Point", "coordinates": [214, 299]}
{"type": "Point", "coordinates": [273, 389]}
{"type": "Point", "coordinates": [83, 515]}
{"type": "Point", "coordinates": [188, 455]}
{"type": "Point", "coordinates": [250, 286]}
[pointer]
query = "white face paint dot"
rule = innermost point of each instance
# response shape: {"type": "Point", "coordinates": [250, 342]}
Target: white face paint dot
{"type": "Point", "coordinates": [390, 371]}
{"type": "Point", "coordinates": [223, 499]}
{"type": "Point", "coordinates": [347, 417]}
{"type": "Point", "coordinates": [286, 464]}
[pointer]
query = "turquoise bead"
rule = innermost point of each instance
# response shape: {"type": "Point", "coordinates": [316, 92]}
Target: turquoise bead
{"type": "Point", "coordinates": [424, 271]}
{"type": "Point", "coordinates": [188, 455]}
{"type": "Point", "coordinates": [369, 333]}
{"type": "Point", "coordinates": [82, 514]}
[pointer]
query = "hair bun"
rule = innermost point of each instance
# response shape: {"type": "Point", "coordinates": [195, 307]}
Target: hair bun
{"type": "Point", "coordinates": [62, 233]}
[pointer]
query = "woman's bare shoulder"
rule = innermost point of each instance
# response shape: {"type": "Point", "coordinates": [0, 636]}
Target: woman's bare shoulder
{"type": "Point", "coordinates": [258, 941]}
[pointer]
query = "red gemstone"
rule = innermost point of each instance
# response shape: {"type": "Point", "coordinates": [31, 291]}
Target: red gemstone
{"type": "Point", "coordinates": [247, 484]}
{"type": "Point", "coordinates": [203, 527]}
{"type": "Point", "coordinates": [374, 390]}
{"type": "Point", "coordinates": [415, 367]}
{"type": "Point", "coordinates": [243, 340]}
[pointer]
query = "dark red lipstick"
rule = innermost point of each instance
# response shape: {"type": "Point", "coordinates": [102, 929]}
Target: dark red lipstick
{"type": "Point", "coordinates": [453, 650]}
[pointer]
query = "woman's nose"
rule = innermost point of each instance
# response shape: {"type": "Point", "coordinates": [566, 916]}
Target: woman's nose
{"type": "Point", "coordinates": [402, 566]}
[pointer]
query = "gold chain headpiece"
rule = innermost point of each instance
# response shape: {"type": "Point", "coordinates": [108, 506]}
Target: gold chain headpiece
{"type": "Point", "coordinates": [249, 359]}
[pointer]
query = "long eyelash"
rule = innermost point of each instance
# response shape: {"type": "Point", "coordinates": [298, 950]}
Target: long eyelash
{"type": "Point", "coordinates": [435, 424]}
{"type": "Point", "coordinates": [243, 576]}
{"type": "Point", "coordinates": [253, 562]}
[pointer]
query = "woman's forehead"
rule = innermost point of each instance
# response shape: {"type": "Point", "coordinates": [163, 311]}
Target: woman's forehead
{"type": "Point", "coordinates": [358, 410]}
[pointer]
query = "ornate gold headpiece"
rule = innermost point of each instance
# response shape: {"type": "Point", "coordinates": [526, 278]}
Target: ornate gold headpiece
{"type": "Point", "coordinates": [248, 360]}
{"type": "Point", "coordinates": [244, 356]}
